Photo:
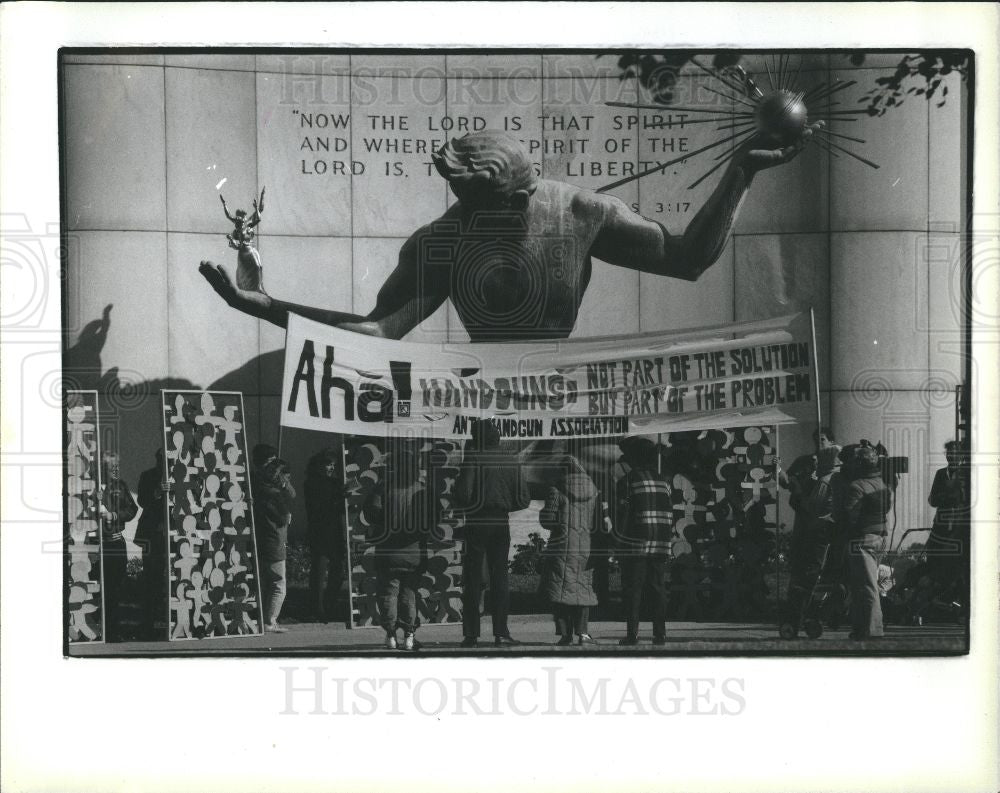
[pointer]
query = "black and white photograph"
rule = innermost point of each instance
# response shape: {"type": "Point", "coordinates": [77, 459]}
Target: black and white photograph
{"type": "Point", "coordinates": [552, 375]}
{"type": "Point", "coordinates": [638, 350]}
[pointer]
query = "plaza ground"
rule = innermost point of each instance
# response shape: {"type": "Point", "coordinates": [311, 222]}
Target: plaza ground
{"type": "Point", "coordinates": [537, 636]}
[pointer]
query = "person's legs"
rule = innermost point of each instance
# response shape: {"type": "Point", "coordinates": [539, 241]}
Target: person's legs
{"type": "Point", "coordinates": [409, 619]}
{"type": "Point", "coordinates": [336, 574]}
{"type": "Point", "coordinates": [276, 591]}
{"type": "Point", "coordinates": [114, 559]}
{"type": "Point", "coordinates": [563, 625]}
{"type": "Point", "coordinates": [318, 577]}
{"type": "Point", "coordinates": [387, 583]}
{"type": "Point", "coordinates": [862, 562]}
{"type": "Point", "coordinates": [634, 572]}
{"type": "Point", "coordinates": [656, 567]}
{"type": "Point", "coordinates": [581, 619]}
{"type": "Point", "coordinates": [153, 582]}
{"type": "Point", "coordinates": [472, 580]}
{"type": "Point", "coordinates": [497, 551]}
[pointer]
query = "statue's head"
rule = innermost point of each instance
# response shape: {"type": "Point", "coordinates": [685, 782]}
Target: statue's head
{"type": "Point", "coordinates": [487, 170]}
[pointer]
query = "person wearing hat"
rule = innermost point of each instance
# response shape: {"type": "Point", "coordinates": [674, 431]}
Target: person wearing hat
{"type": "Point", "coordinates": [491, 484]}
{"type": "Point", "coordinates": [643, 532]}
{"type": "Point", "coordinates": [324, 493]}
{"type": "Point", "coordinates": [273, 495]}
{"type": "Point", "coordinates": [866, 502]}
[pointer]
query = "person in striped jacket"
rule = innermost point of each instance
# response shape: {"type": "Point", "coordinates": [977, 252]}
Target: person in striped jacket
{"type": "Point", "coordinates": [643, 533]}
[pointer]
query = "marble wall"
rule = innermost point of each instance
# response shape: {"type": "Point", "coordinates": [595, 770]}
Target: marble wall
{"type": "Point", "coordinates": [149, 140]}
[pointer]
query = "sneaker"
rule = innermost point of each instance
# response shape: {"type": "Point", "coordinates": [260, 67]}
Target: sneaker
{"type": "Point", "coordinates": [505, 641]}
{"type": "Point", "coordinates": [274, 627]}
{"type": "Point", "coordinates": [410, 642]}
{"type": "Point", "coordinates": [586, 638]}
{"type": "Point", "coordinates": [470, 641]}
{"type": "Point", "coordinates": [628, 641]}
{"type": "Point", "coordinates": [390, 641]}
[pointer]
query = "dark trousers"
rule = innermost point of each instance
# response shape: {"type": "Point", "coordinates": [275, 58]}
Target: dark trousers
{"type": "Point", "coordinates": [570, 619]}
{"type": "Point", "coordinates": [491, 542]}
{"type": "Point", "coordinates": [154, 589]}
{"type": "Point", "coordinates": [326, 575]}
{"type": "Point", "coordinates": [637, 571]}
{"type": "Point", "coordinates": [862, 570]}
{"type": "Point", "coordinates": [808, 553]}
{"type": "Point", "coordinates": [397, 595]}
{"type": "Point", "coordinates": [115, 560]}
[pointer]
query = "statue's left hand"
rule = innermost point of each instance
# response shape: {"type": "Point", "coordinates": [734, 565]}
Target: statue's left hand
{"type": "Point", "coordinates": [757, 159]}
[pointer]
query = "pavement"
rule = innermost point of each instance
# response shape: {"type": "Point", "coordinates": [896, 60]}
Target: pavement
{"type": "Point", "coordinates": [537, 636]}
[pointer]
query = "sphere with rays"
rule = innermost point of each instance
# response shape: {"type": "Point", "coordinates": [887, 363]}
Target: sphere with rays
{"type": "Point", "coordinates": [781, 116]}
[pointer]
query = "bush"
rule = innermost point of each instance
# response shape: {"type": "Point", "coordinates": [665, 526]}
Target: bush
{"type": "Point", "coordinates": [527, 555]}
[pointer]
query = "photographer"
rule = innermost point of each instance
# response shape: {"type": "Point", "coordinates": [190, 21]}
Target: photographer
{"type": "Point", "coordinates": [865, 502]}
{"type": "Point", "coordinates": [272, 511]}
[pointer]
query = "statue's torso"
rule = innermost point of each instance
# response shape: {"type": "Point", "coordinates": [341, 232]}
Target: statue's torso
{"type": "Point", "coordinates": [525, 279]}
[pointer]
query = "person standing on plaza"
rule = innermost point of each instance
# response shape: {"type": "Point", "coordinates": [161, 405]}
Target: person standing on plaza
{"type": "Point", "coordinates": [273, 495]}
{"type": "Point", "coordinates": [491, 484]}
{"type": "Point", "coordinates": [116, 507]}
{"type": "Point", "coordinates": [572, 514]}
{"type": "Point", "coordinates": [325, 522]}
{"type": "Point", "coordinates": [644, 532]}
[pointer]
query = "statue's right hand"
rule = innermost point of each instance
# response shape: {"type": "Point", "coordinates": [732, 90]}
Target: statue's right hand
{"type": "Point", "coordinates": [217, 276]}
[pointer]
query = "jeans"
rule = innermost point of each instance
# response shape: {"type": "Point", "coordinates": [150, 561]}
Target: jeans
{"type": "Point", "coordinates": [570, 619]}
{"type": "Point", "coordinates": [491, 541]}
{"type": "Point", "coordinates": [862, 571]}
{"type": "Point", "coordinates": [326, 575]}
{"type": "Point", "coordinates": [115, 560]}
{"type": "Point", "coordinates": [637, 570]}
{"type": "Point", "coordinates": [274, 591]}
{"type": "Point", "coordinates": [397, 596]}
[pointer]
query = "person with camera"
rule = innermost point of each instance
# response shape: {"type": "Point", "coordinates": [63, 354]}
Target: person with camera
{"type": "Point", "coordinates": [866, 501]}
{"type": "Point", "coordinates": [273, 495]}
{"type": "Point", "coordinates": [491, 484]}
{"type": "Point", "coordinates": [115, 507]}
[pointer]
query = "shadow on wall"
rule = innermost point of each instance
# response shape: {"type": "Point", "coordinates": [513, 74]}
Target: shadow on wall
{"type": "Point", "coordinates": [130, 411]}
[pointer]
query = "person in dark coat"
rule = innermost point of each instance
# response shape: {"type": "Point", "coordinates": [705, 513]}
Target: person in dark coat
{"type": "Point", "coordinates": [948, 545]}
{"type": "Point", "coordinates": [866, 501]}
{"type": "Point", "coordinates": [570, 513]}
{"type": "Point", "coordinates": [401, 516]}
{"type": "Point", "coordinates": [644, 532]}
{"type": "Point", "coordinates": [491, 484]}
{"type": "Point", "coordinates": [116, 507]}
{"type": "Point", "coordinates": [325, 522]}
{"type": "Point", "coordinates": [151, 537]}
{"type": "Point", "coordinates": [273, 495]}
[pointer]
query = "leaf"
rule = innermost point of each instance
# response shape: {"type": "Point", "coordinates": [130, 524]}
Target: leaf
{"type": "Point", "coordinates": [944, 91]}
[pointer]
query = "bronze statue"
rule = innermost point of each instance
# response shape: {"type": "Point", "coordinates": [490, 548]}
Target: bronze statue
{"type": "Point", "coordinates": [514, 253]}
{"type": "Point", "coordinates": [249, 273]}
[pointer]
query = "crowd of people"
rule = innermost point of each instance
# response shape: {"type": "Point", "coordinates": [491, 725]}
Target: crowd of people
{"type": "Point", "coordinates": [841, 497]}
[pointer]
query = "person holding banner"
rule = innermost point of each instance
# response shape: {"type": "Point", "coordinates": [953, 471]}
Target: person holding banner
{"type": "Point", "coordinates": [572, 514]}
{"type": "Point", "coordinates": [491, 485]}
{"type": "Point", "coordinates": [116, 507]}
{"type": "Point", "coordinates": [644, 532]}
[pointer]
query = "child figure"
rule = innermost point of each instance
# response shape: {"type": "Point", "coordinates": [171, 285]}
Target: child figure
{"type": "Point", "coordinates": [402, 515]}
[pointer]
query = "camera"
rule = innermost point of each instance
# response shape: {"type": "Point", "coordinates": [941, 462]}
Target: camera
{"type": "Point", "coordinates": [853, 456]}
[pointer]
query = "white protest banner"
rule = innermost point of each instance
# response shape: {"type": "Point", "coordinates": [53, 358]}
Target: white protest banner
{"type": "Point", "coordinates": [724, 376]}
